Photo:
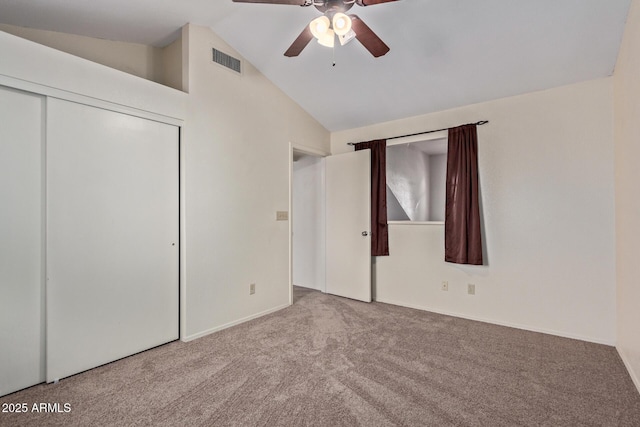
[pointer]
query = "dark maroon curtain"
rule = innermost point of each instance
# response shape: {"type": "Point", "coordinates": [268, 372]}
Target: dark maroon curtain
{"type": "Point", "coordinates": [462, 240]}
{"type": "Point", "coordinates": [380, 233]}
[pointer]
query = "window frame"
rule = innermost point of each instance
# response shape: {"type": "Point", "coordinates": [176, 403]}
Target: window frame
{"type": "Point", "coordinates": [443, 134]}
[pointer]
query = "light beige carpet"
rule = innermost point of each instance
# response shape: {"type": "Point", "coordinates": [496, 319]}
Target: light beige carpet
{"type": "Point", "coordinates": [329, 361]}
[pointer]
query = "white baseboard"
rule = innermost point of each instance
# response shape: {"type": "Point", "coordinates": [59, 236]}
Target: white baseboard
{"type": "Point", "coordinates": [501, 323]}
{"type": "Point", "coordinates": [632, 373]}
{"type": "Point", "coordinates": [233, 323]}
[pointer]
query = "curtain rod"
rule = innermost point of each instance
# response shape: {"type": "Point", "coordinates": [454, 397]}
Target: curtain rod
{"type": "Point", "coordinates": [480, 123]}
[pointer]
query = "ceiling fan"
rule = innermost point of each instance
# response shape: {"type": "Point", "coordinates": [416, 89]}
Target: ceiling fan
{"type": "Point", "coordinates": [334, 22]}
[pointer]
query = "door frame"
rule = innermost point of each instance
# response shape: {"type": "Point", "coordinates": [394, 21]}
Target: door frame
{"type": "Point", "coordinates": [296, 148]}
{"type": "Point", "coordinates": [28, 369]}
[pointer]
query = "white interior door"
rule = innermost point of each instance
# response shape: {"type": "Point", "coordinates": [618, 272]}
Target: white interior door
{"type": "Point", "coordinates": [21, 240]}
{"type": "Point", "coordinates": [348, 218]}
{"type": "Point", "coordinates": [112, 239]}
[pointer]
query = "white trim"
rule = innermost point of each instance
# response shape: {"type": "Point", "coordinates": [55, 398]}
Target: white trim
{"type": "Point", "coordinates": [415, 222]}
{"type": "Point", "coordinates": [499, 323]}
{"type": "Point", "coordinates": [419, 138]}
{"type": "Point", "coordinates": [308, 150]}
{"type": "Point", "coordinates": [627, 364]}
{"type": "Point", "coordinates": [183, 232]}
{"type": "Point", "coordinates": [52, 92]}
{"type": "Point", "coordinates": [290, 225]}
{"type": "Point", "coordinates": [234, 323]}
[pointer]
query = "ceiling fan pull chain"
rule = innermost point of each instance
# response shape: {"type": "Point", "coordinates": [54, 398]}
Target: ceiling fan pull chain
{"type": "Point", "coordinates": [333, 53]}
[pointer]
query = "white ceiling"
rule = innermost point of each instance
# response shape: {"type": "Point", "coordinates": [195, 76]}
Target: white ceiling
{"type": "Point", "coordinates": [444, 53]}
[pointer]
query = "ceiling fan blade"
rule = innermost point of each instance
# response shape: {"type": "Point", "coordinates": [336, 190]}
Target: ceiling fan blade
{"type": "Point", "coordinates": [300, 43]}
{"type": "Point", "coordinates": [371, 2]}
{"type": "Point", "coordinates": [292, 2]}
{"type": "Point", "coordinates": [368, 38]}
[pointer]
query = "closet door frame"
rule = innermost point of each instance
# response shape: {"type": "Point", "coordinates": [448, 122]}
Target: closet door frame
{"type": "Point", "coordinates": [22, 303]}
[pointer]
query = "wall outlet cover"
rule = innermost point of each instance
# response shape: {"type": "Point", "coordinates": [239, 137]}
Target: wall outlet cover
{"type": "Point", "coordinates": [282, 215]}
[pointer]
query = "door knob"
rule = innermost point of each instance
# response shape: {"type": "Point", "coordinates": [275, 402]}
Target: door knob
{"type": "Point", "coordinates": [365, 234]}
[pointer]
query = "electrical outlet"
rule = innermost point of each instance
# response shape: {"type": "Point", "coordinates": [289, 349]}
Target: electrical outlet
{"type": "Point", "coordinates": [445, 286]}
{"type": "Point", "coordinates": [252, 289]}
{"type": "Point", "coordinates": [471, 289]}
{"type": "Point", "coordinates": [282, 215]}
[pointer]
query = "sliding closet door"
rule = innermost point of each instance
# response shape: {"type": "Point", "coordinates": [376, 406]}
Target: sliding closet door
{"type": "Point", "coordinates": [21, 240]}
{"type": "Point", "coordinates": [112, 241]}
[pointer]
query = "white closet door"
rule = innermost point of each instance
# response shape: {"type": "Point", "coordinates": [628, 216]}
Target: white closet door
{"type": "Point", "coordinates": [112, 239]}
{"type": "Point", "coordinates": [21, 240]}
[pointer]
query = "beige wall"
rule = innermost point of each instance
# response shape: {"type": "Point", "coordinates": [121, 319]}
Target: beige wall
{"type": "Point", "coordinates": [547, 190]}
{"type": "Point", "coordinates": [237, 171]}
{"type": "Point", "coordinates": [169, 68]}
{"type": "Point", "coordinates": [140, 60]}
{"type": "Point", "coordinates": [627, 178]}
{"type": "Point", "coordinates": [22, 59]}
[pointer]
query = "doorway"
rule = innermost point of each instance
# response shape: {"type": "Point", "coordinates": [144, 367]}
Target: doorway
{"type": "Point", "coordinates": [306, 219]}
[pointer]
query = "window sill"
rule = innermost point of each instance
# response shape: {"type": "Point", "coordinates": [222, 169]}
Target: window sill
{"type": "Point", "coordinates": [415, 222]}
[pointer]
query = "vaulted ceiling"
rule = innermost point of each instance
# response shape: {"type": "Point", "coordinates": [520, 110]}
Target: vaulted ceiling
{"type": "Point", "coordinates": [444, 53]}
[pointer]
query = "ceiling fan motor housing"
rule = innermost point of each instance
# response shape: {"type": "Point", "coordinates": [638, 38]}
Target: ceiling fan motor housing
{"type": "Point", "coordinates": [331, 7]}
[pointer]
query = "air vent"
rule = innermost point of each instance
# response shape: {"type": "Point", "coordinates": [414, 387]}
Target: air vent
{"type": "Point", "coordinates": [227, 61]}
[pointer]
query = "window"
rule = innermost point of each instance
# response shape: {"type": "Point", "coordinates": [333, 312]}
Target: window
{"type": "Point", "coordinates": [416, 174]}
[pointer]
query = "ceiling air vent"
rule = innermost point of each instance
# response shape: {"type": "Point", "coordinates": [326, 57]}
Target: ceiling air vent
{"type": "Point", "coordinates": [227, 61]}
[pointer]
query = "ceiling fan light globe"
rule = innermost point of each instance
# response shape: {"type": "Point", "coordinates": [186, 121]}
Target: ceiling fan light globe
{"type": "Point", "coordinates": [328, 39]}
{"type": "Point", "coordinates": [319, 27]}
{"type": "Point", "coordinates": [341, 24]}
